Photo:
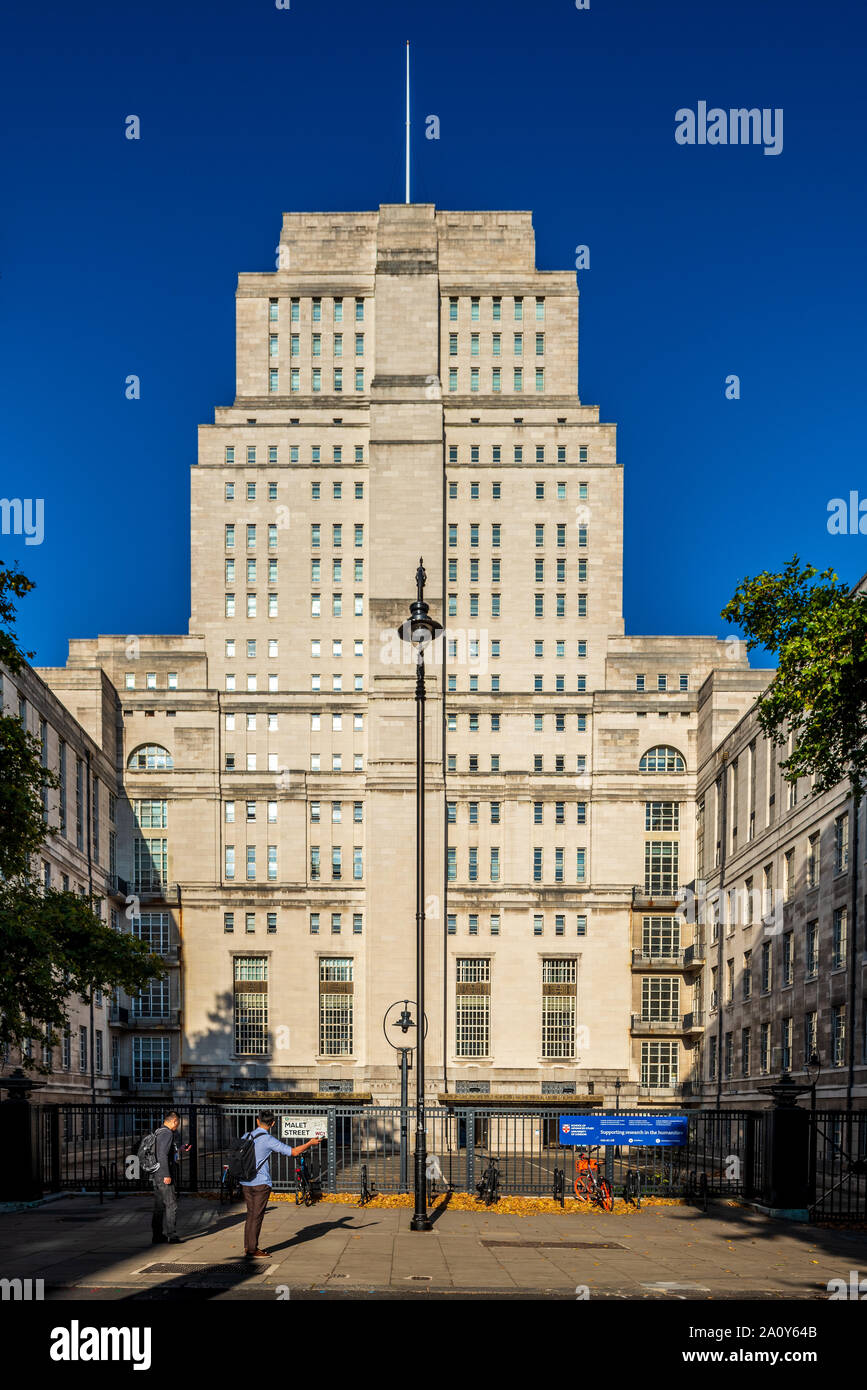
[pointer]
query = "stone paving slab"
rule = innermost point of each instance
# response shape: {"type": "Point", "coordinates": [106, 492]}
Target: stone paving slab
{"type": "Point", "coordinates": [731, 1249]}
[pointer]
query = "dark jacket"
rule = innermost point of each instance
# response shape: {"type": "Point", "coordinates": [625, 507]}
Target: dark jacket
{"type": "Point", "coordinates": [166, 1152]}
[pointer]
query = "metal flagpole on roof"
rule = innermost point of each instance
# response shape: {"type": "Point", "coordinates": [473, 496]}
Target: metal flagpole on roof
{"type": "Point", "coordinates": [407, 120]}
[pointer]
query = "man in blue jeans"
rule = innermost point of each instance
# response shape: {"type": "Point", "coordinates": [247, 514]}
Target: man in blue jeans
{"type": "Point", "coordinates": [258, 1189]}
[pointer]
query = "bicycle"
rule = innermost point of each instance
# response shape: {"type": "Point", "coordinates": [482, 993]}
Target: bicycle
{"type": "Point", "coordinates": [560, 1186]}
{"type": "Point", "coordinates": [308, 1188]}
{"type": "Point", "coordinates": [589, 1187]}
{"type": "Point", "coordinates": [703, 1191]}
{"type": "Point", "coordinates": [229, 1189]}
{"type": "Point", "coordinates": [697, 1189]}
{"type": "Point", "coordinates": [367, 1192]}
{"type": "Point", "coordinates": [632, 1190]}
{"type": "Point", "coordinates": [489, 1187]}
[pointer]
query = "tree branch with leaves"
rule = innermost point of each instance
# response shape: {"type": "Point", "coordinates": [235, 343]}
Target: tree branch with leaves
{"type": "Point", "coordinates": [52, 944]}
{"type": "Point", "coordinates": [817, 627]}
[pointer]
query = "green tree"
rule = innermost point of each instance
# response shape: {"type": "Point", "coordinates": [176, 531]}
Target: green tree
{"type": "Point", "coordinates": [52, 944]}
{"type": "Point", "coordinates": [817, 628]}
{"type": "Point", "coordinates": [13, 585]}
{"type": "Point", "coordinates": [23, 779]}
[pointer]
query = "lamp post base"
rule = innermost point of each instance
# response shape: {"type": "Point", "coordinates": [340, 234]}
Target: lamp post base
{"type": "Point", "coordinates": [420, 1219]}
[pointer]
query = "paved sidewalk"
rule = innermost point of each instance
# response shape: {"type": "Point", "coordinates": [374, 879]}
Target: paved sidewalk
{"type": "Point", "coordinates": [84, 1251]}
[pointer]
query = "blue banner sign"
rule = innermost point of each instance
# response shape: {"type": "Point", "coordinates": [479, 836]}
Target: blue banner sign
{"type": "Point", "coordinates": [623, 1129]}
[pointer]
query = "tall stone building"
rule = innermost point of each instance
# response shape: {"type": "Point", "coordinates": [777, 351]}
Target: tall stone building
{"type": "Point", "coordinates": [780, 908]}
{"type": "Point", "coordinates": [407, 386]}
{"type": "Point", "coordinates": [79, 857]}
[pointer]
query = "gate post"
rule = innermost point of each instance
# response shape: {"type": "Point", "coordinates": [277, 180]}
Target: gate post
{"type": "Point", "coordinates": [471, 1149]}
{"type": "Point", "coordinates": [609, 1165]}
{"type": "Point", "coordinates": [787, 1153]}
{"type": "Point", "coordinates": [331, 1116]}
{"type": "Point", "coordinates": [749, 1181]}
{"type": "Point", "coordinates": [194, 1151]}
{"type": "Point", "coordinates": [811, 1176]}
{"type": "Point", "coordinates": [19, 1142]}
{"type": "Point", "coordinates": [54, 1143]}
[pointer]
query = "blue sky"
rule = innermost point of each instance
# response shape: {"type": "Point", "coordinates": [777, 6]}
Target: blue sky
{"type": "Point", "coordinates": [120, 257]}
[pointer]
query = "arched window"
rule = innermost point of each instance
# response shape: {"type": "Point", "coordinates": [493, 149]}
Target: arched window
{"type": "Point", "coordinates": [662, 758]}
{"type": "Point", "coordinates": [149, 758]}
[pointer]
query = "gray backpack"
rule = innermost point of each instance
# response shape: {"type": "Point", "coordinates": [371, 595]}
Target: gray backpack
{"type": "Point", "coordinates": [147, 1154]}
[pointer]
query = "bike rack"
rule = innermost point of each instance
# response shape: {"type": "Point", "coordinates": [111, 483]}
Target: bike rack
{"type": "Point", "coordinates": [367, 1192]}
{"type": "Point", "coordinates": [483, 1188]}
{"type": "Point", "coordinates": [697, 1189]}
{"type": "Point", "coordinates": [560, 1186]}
{"type": "Point", "coordinates": [305, 1178]}
{"type": "Point", "coordinates": [632, 1188]}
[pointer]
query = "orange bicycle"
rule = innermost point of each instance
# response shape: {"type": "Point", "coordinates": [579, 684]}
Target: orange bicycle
{"type": "Point", "coordinates": [588, 1185]}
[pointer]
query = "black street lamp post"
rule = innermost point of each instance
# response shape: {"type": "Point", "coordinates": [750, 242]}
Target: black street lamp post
{"type": "Point", "coordinates": [420, 629]}
{"type": "Point", "coordinates": [404, 1022]}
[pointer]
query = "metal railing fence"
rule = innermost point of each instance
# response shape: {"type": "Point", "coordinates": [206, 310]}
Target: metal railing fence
{"type": "Point", "coordinates": [838, 1165]}
{"type": "Point", "coordinates": [90, 1147]}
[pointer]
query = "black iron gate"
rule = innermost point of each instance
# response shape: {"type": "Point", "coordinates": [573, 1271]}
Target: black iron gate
{"type": "Point", "coordinates": [92, 1148]}
{"type": "Point", "coordinates": [723, 1156]}
{"type": "Point", "coordinates": [838, 1165]}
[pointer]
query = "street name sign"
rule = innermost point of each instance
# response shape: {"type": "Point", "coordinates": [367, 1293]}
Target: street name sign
{"type": "Point", "coordinates": [300, 1128]}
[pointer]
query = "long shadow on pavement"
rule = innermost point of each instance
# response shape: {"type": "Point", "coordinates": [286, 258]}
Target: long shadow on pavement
{"type": "Point", "coordinates": [225, 1280]}
{"type": "Point", "coordinates": [321, 1228]}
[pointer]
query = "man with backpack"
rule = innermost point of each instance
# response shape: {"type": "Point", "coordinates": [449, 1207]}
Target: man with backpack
{"type": "Point", "coordinates": [158, 1158]}
{"type": "Point", "coordinates": [249, 1161]}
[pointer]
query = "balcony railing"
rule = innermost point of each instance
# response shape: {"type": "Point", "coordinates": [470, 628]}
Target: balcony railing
{"type": "Point", "coordinates": [668, 897]}
{"type": "Point", "coordinates": [695, 955]}
{"type": "Point", "coordinates": [693, 1022]}
{"type": "Point", "coordinates": [152, 891]}
{"type": "Point", "coordinates": [685, 1090]}
{"type": "Point", "coordinates": [644, 1024]}
{"type": "Point", "coordinates": [125, 1018]}
{"type": "Point", "coordinates": [649, 960]}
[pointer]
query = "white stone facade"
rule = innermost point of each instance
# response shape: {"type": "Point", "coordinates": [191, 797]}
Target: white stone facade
{"type": "Point", "coordinates": [407, 386]}
{"type": "Point", "coordinates": [76, 733]}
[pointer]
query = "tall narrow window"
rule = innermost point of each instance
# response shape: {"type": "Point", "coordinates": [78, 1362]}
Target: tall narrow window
{"type": "Point", "coordinates": [251, 1005]}
{"type": "Point", "coordinates": [841, 843]}
{"type": "Point", "coordinates": [559, 1002]}
{"type": "Point", "coordinates": [472, 1007]}
{"type": "Point", "coordinates": [336, 998]}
